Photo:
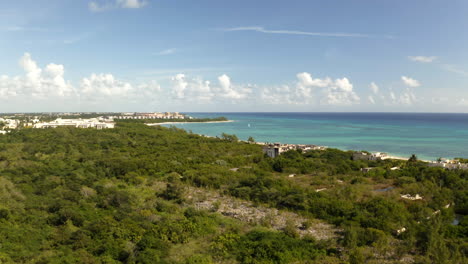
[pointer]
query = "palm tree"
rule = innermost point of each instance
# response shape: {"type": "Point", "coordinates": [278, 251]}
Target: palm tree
{"type": "Point", "coordinates": [413, 158]}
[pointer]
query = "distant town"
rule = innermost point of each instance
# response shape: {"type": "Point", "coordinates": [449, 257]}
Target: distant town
{"type": "Point", "coordinates": [95, 120]}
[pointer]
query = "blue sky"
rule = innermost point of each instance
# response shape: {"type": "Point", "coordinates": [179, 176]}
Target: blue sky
{"type": "Point", "coordinates": [211, 55]}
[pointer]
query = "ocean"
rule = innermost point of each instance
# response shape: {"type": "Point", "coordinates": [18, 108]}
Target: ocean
{"type": "Point", "coordinates": [429, 136]}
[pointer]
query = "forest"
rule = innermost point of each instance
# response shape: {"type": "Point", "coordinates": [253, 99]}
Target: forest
{"type": "Point", "coordinates": [141, 194]}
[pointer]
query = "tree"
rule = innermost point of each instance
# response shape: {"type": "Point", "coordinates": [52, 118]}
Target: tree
{"type": "Point", "coordinates": [231, 138]}
{"type": "Point", "coordinates": [413, 159]}
{"type": "Point", "coordinates": [251, 140]}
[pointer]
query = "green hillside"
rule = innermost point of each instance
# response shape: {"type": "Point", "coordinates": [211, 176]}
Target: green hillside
{"type": "Point", "coordinates": [139, 194]}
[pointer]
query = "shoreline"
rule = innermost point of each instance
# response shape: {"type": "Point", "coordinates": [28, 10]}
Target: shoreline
{"type": "Point", "coordinates": [392, 157]}
{"type": "Point", "coordinates": [180, 123]}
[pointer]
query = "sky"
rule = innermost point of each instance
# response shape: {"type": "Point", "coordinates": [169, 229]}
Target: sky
{"type": "Point", "coordinates": [234, 56]}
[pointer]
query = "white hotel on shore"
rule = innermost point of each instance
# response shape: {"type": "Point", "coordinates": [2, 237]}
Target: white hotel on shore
{"type": "Point", "coordinates": [166, 115]}
{"type": "Point", "coordinates": [79, 123]}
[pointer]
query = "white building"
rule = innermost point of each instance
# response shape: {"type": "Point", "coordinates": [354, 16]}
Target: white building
{"type": "Point", "coordinates": [79, 123]}
{"type": "Point", "coordinates": [166, 115]}
{"type": "Point", "coordinates": [10, 123]}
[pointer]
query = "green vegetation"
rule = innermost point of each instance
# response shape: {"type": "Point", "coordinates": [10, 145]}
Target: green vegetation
{"type": "Point", "coordinates": [126, 195]}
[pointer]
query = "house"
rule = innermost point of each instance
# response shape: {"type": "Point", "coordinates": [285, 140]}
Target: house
{"type": "Point", "coordinates": [412, 198]}
{"type": "Point", "coordinates": [366, 170]}
{"type": "Point", "coordinates": [361, 156]}
{"type": "Point", "coordinates": [272, 150]}
{"type": "Point", "coordinates": [369, 156]}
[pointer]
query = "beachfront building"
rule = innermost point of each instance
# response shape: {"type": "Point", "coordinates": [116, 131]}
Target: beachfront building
{"type": "Point", "coordinates": [274, 150]}
{"type": "Point", "coordinates": [79, 123]}
{"type": "Point", "coordinates": [369, 156]}
{"type": "Point", "coordinates": [448, 164]}
{"type": "Point", "coordinates": [166, 115]}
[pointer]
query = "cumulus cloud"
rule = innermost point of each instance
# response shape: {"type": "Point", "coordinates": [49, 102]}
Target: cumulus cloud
{"type": "Point", "coordinates": [195, 89]}
{"type": "Point", "coordinates": [341, 93]}
{"type": "Point", "coordinates": [98, 85]}
{"type": "Point", "coordinates": [101, 6]}
{"type": "Point", "coordinates": [310, 90]}
{"type": "Point", "coordinates": [49, 84]}
{"type": "Point", "coordinates": [423, 59]}
{"type": "Point", "coordinates": [230, 91]}
{"type": "Point", "coordinates": [371, 99]}
{"type": "Point", "coordinates": [410, 82]}
{"type": "Point", "coordinates": [36, 82]}
{"type": "Point", "coordinates": [407, 97]}
{"type": "Point", "coordinates": [374, 88]}
{"type": "Point", "coordinates": [179, 86]}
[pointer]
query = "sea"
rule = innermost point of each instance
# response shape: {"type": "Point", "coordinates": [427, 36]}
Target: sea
{"type": "Point", "coordinates": [428, 135]}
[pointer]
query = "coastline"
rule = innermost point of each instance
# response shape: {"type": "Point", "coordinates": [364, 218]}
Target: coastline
{"type": "Point", "coordinates": [260, 143]}
{"type": "Point", "coordinates": [180, 123]}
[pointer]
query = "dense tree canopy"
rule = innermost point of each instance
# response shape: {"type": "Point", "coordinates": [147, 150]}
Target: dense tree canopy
{"type": "Point", "coordinates": [73, 195]}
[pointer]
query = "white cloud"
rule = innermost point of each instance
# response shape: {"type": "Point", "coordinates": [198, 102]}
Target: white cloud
{"type": "Point", "coordinates": [96, 6]}
{"type": "Point", "coordinates": [306, 80]}
{"type": "Point", "coordinates": [230, 91]}
{"type": "Point", "coordinates": [304, 33]}
{"type": "Point", "coordinates": [313, 91]}
{"type": "Point", "coordinates": [36, 82]}
{"type": "Point", "coordinates": [278, 95]}
{"type": "Point", "coordinates": [341, 93]}
{"type": "Point", "coordinates": [131, 3]}
{"type": "Point", "coordinates": [454, 69]}
{"type": "Point", "coordinates": [423, 59]}
{"type": "Point", "coordinates": [462, 102]}
{"type": "Point", "coordinates": [371, 99]}
{"type": "Point", "coordinates": [195, 89]}
{"type": "Point", "coordinates": [374, 88]}
{"type": "Point", "coordinates": [179, 86]}
{"type": "Point", "coordinates": [410, 82]}
{"type": "Point", "coordinates": [407, 97]}
{"type": "Point", "coordinates": [167, 52]}
{"type": "Point", "coordinates": [104, 85]}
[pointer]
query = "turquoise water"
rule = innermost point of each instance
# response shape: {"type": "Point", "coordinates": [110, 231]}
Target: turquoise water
{"type": "Point", "coordinates": [429, 136]}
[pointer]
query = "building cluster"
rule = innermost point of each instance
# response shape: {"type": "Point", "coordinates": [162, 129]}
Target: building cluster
{"type": "Point", "coordinates": [369, 156]}
{"type": "Point", "coordinates": [276, 149]}
{"type": "Point", "coordinates": [449, 164]}
{"type": "Point", "coordinates": [10, 123]}
{"type": "Point", "coordinates": [166, 115]}
{"type": "Point", "coordinates": [97, 123]}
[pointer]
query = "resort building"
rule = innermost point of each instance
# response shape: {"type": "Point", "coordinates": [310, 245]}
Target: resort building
{"type": "Point", "coordinates": [166, 115]}
{"type": "Point", "coordinates": [369, 156]}
{"type": "Point", "coordinates": [274, 150]}
{"type": "Point", "coordinates": [449, 164]}
{"type": "Point", "coordinates": [79, 123]}
{"type": "Point", "coordinates": [10, 123]}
